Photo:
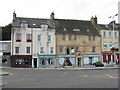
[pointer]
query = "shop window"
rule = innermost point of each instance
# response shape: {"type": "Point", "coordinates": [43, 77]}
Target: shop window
{"type": "Point", "coordinates": [19, 61]}
{"type": "Point", "coordinates": [68, 51]}
{"type": "Point", "coordinates": [72, 50]}
{"type": "Point", "coordinates": [26, 62]}
{"type": "Point", "coordinates": [43, 61]}
{"type": "Point", "coordinates": [29, 37]}
{"type": "Point", "coordinates": [50, 61]}
{"type": "Point", "coordinates": [18, 37]}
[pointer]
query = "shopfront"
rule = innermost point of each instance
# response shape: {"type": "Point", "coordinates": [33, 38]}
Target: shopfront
{"type": "Point", "coordinates": [89, 59]}
{"type": "Point", "coordinates": [5, 58]}
{"type": "Point", "coordinates": [24, 61]}
{"type": "Point", "coordinates": [109, 57]}
{"type": "Point", "coordinates": [45, 61]}
{"type": "Point", "coordinates": [67, 60]}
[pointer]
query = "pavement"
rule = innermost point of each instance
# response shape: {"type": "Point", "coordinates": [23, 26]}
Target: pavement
{"type": "Point", "coordinates": [67, 68]}
{"type": "Point", "coordinates": [3, 73]}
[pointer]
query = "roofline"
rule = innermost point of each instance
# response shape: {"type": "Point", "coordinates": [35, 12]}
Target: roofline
{"type": "Point", "coordinates": [33, 18]}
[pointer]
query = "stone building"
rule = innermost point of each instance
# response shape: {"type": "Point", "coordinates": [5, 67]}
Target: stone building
{"type": "Point", "coordinates": [77, 43]}
{"type": "Point", "coordinates": [54, 42]}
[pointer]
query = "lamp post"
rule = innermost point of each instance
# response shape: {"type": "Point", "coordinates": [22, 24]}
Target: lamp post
{"type": "Point", "coordinates": [113, 46]}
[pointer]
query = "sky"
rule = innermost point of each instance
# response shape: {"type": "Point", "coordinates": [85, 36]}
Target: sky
{"type": "Point", "coordinates": [63, 9]}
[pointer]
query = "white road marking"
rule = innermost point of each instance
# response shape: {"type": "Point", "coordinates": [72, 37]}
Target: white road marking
{"type": "Point", "coordinates": [110, 76]}
{"type": "Point", "coordinates": [85, 75]}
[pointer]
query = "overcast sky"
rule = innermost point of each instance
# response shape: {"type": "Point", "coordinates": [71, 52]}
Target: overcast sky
{"type": "Point", "coordinates": [64, 9]}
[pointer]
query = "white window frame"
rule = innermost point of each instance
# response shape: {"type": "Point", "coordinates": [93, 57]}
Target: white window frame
{"type": "Point", "coordinates": [110, 45]}
{"type": "Point", "coordinates": [110, 34]}
{"type": "Point", "coordinates": [39, 38]}
{"type": "Point", "coordinates": [41, 51]}
{"type": "Point", "coordinates": [105, 43]}
{"type": "Point", "coordinates": [23, 26]}
{"type": "Point", "coordinates": [27, 50]}
{"type": "Point", "coordinates": [116, 35]}
{"type": "Point", "coordinates": [104, 34]}
{"type": "Point", "coordinates": [51, 50]}
{"type": "Point", "coordinates": [49, 38]}
{"type": "Point", "coordinates": [18, 50]}
{"type": "Point", "coordinates": [4, 46]}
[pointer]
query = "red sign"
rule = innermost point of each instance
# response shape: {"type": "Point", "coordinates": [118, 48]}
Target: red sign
{"type": "Point", "coordinates": [79, 52]}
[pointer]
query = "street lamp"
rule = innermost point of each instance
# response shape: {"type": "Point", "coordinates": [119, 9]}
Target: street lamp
{"type": "Point", "coordinates": [113, 35]}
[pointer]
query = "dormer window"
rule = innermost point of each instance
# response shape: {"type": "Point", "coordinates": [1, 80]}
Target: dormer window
{"type": "Point", "coordinates": [23, 26]}
{"type": "Point", "coordinates": [65, 29]}
{"type": "Point", "coordinates": [44, 27]}
{"type": "Point", "coordinates": [88, 30]}
{"type": "Point", "coordinates": [76, 30]}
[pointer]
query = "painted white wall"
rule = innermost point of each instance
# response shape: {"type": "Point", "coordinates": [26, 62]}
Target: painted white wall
{"type": "Point", "coordinates": [35, 43]}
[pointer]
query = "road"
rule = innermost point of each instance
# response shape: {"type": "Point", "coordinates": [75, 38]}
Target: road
{"type": "Point", "coordinates": [36, 78]}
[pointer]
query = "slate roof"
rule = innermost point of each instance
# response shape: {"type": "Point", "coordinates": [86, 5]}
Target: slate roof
{"type": "Point", "coordinates": [62, 26]}
{"type": "Point", "coordinates": [107, 27]}
{"type": "Point", "coordinates": [31, 21]}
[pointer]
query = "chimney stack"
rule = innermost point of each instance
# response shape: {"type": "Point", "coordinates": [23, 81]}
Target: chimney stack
{"type": "Point", "coordinates": [52, 15]}
{"type": "Point", "coordinates": [94, 20]}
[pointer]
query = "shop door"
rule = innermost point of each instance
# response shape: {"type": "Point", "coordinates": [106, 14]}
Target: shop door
{"type": "Point", "coordinates": [79, 61]}
{"type": "Point", "coordinates": [90, 60]}
{"type": "Point", "coordinates": [42, 62]}
{"type": "Point", "coordinates": [35, 62]}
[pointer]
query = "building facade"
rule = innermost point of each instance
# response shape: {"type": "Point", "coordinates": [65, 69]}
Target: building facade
{"type": "Point", "coordinates": [77, 43]}
{"type": "Point", "coordinates": [108, 37]}
{"type": "Point", "coordinates": [5, 52]}
{"type": "Point", "coordinates": [33, 39]}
